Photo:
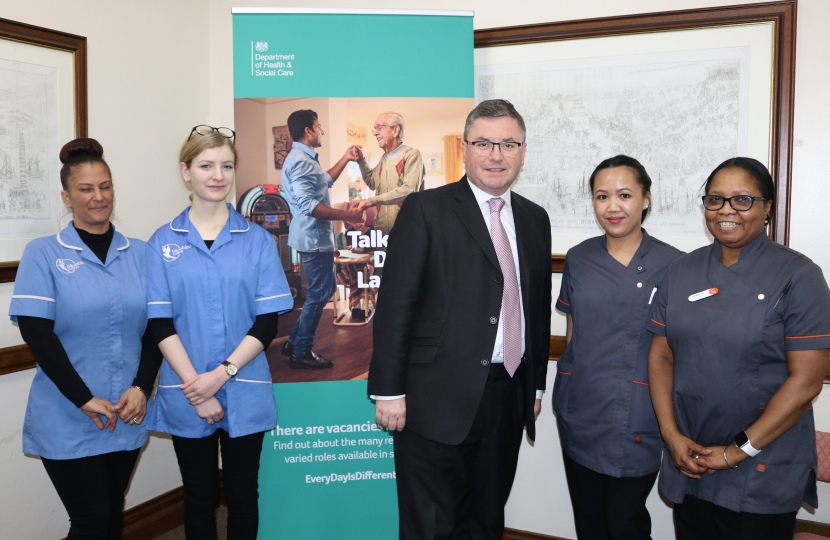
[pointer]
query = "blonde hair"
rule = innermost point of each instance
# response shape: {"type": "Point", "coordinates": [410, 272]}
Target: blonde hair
{"type": "Point", "coordinates": [196, 144]}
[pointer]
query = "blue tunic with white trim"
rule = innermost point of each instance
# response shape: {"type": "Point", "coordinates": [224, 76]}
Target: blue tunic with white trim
{"type": "Point", "coordinates": [214, 296]}
{"type": "Point", "coordinates": [730, 358]}
{"type": "Point", "coordinates": [100, 313]}
{"type": "Point", "coordinates": [603, 408]}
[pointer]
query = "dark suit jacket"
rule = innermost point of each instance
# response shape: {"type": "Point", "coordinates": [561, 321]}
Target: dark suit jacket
{"type": "Point", "coordinates": [438, 308]}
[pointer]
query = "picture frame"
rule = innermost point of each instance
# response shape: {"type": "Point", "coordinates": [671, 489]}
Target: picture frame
{"type": "Point", "coordinates": [48, 49]}
{"type": "Point", "coordinates": [780, 15]}
{"type": "Point", "coordinates": [39, 51]}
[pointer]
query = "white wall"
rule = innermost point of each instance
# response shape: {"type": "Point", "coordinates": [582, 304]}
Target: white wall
{"type": "Point", "coordinates": [148, 86]}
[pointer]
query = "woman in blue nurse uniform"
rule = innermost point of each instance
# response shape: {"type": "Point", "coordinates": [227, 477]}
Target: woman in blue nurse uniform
{"type": "Point", "coordinates": [215, 288]}
{"type": "Point", "coordinates": [80, 303]}
{"type": "Point", "coordinates": [610, 439]}
{"type": "Point", "coordinates": [741, 332]}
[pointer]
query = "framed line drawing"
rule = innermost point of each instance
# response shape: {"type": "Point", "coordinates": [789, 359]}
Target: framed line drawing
{"type": "Point", "coordinates": [43, 104]}
{"type": "Point", "coordinates": [672, 89]}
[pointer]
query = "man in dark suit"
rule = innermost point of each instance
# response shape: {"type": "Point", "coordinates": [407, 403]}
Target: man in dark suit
{"type": "Point", "coordinates": [461, 336]}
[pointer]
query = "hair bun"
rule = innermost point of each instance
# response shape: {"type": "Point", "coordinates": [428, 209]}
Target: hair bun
{"type": "Point", "coordinates": [80, 147]}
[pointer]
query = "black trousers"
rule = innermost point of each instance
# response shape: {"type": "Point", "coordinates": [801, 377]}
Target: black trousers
{"type": "Point", "coordinates": [608, 508]}
{"type": "Point", "coordinates": [92, 491]}
{"type": "Point", "coordinates": [697, 519]}
{"type": "Point", "coordinates": [199, 465]}
{"type": "Point", "coordinates": [458, 491]}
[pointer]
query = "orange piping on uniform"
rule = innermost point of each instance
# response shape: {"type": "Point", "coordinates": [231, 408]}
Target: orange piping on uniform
{"type": "Point", "coordinates": [640, 382]}
{"type": "Point", "coordinates": [807, 337]}
{"type": "Point", "coordinates": [655, 322]}
{"type": "Point", "coordinates": [559, 299]}
{"type": "Point", "coordinates": [564, 372]}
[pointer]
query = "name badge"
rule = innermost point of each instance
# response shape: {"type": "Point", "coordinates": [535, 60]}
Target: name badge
{"type": "Point", "coordinates": [703, 294]}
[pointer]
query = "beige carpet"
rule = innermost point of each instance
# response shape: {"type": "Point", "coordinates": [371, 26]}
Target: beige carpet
{"type": "Point", "coordinates": [221, 527]}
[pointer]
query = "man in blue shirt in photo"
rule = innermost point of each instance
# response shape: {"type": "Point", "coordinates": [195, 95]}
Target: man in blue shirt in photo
{"type": "Point", "coordinates": [306, 188]}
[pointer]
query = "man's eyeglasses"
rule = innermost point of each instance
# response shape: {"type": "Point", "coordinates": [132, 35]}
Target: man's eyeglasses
{"type": "Point", "coordinates": [207, 130]}
{"type": "Point", "coordinates": [484, 148]}
{"type": "Point", "coordinates": [377, 127]}
{"type": "Point", "coordinates": [740, 203]}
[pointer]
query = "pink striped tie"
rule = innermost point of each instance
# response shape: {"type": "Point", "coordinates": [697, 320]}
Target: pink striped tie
{"type": "Point", "coordinates": [512, 319]}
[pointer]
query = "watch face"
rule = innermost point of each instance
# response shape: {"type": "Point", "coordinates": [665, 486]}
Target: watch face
{"type": "Point", "coordinates": [231, 369]}
{"type": "Point", "coordinates": [741, 439]}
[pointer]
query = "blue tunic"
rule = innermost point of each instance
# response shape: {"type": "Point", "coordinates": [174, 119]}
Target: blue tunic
{"type": "Point", "coordinates": [730, 359]}
{"type": "Point", "coordinates": [214, 296]}
{"type": "Point", "coordinates": [100, 313]}
{"type": "Point", "coordinates": [601, 397]}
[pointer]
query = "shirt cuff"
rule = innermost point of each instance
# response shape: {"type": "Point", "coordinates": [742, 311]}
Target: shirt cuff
{"type": "Point", "coordinates": [539, 394]}
{"type": "Point", "coordinates": [386, 398]}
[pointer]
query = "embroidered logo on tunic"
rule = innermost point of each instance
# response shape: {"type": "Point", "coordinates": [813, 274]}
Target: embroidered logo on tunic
{"type": "Point", "coordinates": [171, 252]}
{"type": "Point", "coordinates": [67, 266]}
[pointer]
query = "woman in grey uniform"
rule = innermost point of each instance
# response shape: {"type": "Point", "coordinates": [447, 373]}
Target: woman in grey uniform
{"type": "Point", "coordinates": [610, 439]}
{"type": "Point", "coordinates": [741, 332]}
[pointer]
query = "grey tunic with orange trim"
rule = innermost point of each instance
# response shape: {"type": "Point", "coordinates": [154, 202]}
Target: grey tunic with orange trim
{"type": "Point", "coordinates": [730, 359]}
{"type": "Point", "coordinates": [601, 398]}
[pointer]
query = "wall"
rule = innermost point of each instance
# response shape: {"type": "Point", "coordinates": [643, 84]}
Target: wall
{"type": "Point", "coordinates": [539, 501]}
{"type": "Point", "coordinates": [148, 86]}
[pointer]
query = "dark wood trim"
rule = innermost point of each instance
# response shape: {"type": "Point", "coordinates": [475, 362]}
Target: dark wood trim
{"type": "Point", "coordinates": [8, 271]}
{"type": "Point", "coordinates": [814, 527]}
{"type": "Point", "coordinates": [557, 263]}
{"type": "Point", "coordinates": [557, 347]}
{"type": "Point", "coordinates": [782, 13]}
{"type": "Point", "coordinates": [16, 358]}
{"type": "Point", "coordinates": [155, 517]}
{"type": "Point", "coordinates": [515, 534]}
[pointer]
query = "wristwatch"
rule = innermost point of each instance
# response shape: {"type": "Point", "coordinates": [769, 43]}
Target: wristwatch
{"type": "Point", "coordinates": [230, 369]}
{"type": "Point", "coordinates": [742, 442]}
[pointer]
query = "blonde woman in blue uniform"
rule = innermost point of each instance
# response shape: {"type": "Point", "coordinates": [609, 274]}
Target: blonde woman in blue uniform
{"type": "Point", "coordinates": [610, 440]}
{"type": "Point", "coordinates": [80, 302]}
{"type": "Point", "coordinates": [741, 332]}
{"type": "Point", "coordinates": [215, 289]}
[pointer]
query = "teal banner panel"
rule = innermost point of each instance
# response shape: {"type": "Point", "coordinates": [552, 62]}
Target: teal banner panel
{"type": "Point", "coordinates": [352, 55]}
{"type": "Point", "coordinates": [327, 471]}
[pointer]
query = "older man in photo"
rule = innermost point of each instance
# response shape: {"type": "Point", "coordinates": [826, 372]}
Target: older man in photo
{"type": "Point", "coordinates": [398, 173]}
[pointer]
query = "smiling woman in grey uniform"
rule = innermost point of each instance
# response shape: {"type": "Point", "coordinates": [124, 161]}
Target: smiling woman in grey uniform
{"type": "Point", "coordinates": [609, 434]}
{"type": "Point", "coordinates": [741, 332]}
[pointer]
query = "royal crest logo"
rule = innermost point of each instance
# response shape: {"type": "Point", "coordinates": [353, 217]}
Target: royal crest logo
{"type": "Point", "coordinates": [261, 46]}
{"type": "Point", "coordinates": [67, 266]}
{"type": "Point", "coordinates": [171, 252]}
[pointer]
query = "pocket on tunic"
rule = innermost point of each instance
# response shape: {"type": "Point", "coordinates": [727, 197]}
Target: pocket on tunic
{"type": "Point", "coordinates": [641, 417]}
{"type": "Point", "coordinates": [561, 387]}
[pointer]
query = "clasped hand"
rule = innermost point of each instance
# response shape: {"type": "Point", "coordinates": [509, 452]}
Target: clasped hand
{"type": "Point", "coordinates": [204, 386]}
{"type": "Point", "coordinates": [131, 409]}
{"type": "Point", "coordinates": [693, 460]}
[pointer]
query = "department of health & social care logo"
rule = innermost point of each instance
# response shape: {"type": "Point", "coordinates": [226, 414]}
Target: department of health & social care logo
{"type": "Point", "coordinates": [261, 46]}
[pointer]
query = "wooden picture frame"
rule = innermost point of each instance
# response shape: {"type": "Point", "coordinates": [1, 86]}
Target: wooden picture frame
{"type": "Point", "coordinates": [782, 14]}
{"type": "Point", "coordinates": [54, 42]}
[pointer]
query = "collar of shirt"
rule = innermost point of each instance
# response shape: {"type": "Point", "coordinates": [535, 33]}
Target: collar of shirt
{"type": "Point", "coordinates": [642, 251]}
{"type": "Point", "coordinates": [747, 252]}
{"type": "Point", "coordinates": [304, 148]}
{"type": "Point", "coordinates": [394, 152]}
{"type": "Point", "coordinates": [482, 197]}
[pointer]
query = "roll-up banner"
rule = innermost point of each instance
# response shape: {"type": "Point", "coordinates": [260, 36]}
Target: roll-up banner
{"type": "Point", "coordinates": [327, 470]}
